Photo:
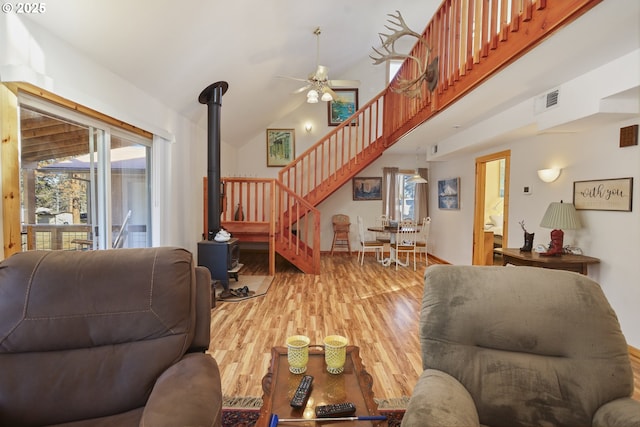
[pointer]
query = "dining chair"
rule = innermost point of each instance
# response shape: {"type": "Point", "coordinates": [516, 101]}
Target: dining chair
{"type": "Point", "coordinates": [423, 238]}
{"type": "Point", "coordinates": [405, 242]}
{"type": "Point", "coordinates": [367, 245]}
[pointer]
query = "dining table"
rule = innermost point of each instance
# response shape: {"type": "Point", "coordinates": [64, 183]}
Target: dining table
{"type": "Point", "coordinates": [392, 230]}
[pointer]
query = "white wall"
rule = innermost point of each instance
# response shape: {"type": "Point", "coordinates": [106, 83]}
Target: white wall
{"type": "Point", "coordinates": [251, 156]}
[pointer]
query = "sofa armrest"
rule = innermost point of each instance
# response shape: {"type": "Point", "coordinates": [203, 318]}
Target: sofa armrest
{"type": "Point", "coordinates": [440, 400]}
{"type": "Point", "coordinates": [618, 413]}
{"type": "Point", "coordinates": [204, 303]}
{"type": "Point", "coordinates": [189, 393]}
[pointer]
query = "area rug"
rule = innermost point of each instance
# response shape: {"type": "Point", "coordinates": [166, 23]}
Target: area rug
{"type": "Point", "coordinates": [255, 287]}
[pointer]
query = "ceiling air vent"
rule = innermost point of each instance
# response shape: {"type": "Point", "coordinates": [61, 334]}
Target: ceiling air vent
{"type": "Point", "coordinates": [546, 101]}
{"type": "Point", "coordinates": [552, 98]}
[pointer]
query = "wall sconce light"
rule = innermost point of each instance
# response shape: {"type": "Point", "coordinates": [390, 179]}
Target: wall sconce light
{"type": "Point", "coordinates": [308, 127]}
{"type": "Point", "coordinates": [549, 175]}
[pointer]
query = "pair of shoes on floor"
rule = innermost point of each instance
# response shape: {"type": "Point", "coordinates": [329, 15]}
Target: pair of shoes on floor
{"type": "Point", "coordinates": [240, 292]}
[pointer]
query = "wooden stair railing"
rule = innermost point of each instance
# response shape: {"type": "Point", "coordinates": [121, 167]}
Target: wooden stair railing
{"type": "Point", "coordinates": [297, 232]}
{"type": "Point", "coordinates": [338, 156]}
{"type": "Point", "coordinates": [262, 210]}
{"type": "Point", "coordinates": [474, 39]}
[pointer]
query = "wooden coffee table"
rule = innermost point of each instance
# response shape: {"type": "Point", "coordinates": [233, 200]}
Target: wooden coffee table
{"type": "Point", "coordinates": [353, 385]}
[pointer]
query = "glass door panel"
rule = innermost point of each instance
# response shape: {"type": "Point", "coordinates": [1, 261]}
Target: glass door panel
{"type": "Point", "coordinates": [130, 213]}
{"type": "Point", "coordinates": [79, 179]}
{"type": "Point", "coordinates": [55, 186]}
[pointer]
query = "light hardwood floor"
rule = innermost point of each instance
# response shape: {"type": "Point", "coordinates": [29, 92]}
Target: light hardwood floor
{"type": "Point", "coordinates": [376, 308]}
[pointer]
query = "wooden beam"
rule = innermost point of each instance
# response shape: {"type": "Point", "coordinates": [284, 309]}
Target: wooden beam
{"type": "Point", "coordinates": [10, 173]}
{"type": "Point", "coordinates": [41, 93]}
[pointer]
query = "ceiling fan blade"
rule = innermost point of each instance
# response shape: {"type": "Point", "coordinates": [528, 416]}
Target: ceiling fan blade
{"type": "Point", "coordinates": [343, 83]}
{"type": "Point", "coordinates": [302, 89]}
{"type": "Point", "coordinates": [292, 78]}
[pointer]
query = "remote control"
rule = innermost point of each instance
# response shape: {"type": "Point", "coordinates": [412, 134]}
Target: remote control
{"type": "Point", "coordinates": [335, 410]}
{"type": "Point", "coordinates": [302, 392]}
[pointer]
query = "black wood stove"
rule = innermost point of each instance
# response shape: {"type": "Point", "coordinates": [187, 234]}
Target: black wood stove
{"type": "Point", "coordinates": [218, 257]}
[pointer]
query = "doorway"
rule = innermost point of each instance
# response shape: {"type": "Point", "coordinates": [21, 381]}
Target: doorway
{"type": "Point", "coordinates": [491, 211]}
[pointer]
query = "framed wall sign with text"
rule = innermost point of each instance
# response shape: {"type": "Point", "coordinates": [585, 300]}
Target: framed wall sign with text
{"type": "Point", "coordinates": [603, 194]}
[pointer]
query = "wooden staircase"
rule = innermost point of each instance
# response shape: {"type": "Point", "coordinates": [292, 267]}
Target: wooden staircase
{"type": "Point", "coordinates": [473, 39]}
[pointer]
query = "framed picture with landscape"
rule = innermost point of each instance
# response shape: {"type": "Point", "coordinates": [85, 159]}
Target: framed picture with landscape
{"type": "Point", "coordinates": [366, 188]}
{"type": "Point", "coordinates": [281, 147]}
{"type": "Point", "coordinates": [343, 107]}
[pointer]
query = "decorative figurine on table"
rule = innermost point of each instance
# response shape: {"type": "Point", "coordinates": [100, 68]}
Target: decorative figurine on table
{"type": "Point", "coordinates": [528, 239]}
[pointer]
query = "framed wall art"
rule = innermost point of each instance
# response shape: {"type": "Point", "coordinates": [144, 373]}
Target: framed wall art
{"type": "Point", "coordinates": [449, 193]}
{"type": "Point", "coordinates": [367, 188]}
{"type": "Point", "coordinates": [603, 194]}
{"type": "Point", "coordinates": [281, 147]}
{"type": "Point", "coordinates": [343, 107]}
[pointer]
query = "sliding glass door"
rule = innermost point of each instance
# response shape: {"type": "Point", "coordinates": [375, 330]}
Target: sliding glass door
{"type": "Point", "coordinates": [84, 184]}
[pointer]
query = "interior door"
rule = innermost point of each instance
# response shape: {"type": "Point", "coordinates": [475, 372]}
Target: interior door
{"type": "Point", "coordinates": [491, 210]}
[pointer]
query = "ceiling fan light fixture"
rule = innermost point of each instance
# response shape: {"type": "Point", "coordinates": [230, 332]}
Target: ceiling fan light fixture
{"type": "Point", "coordinates": [312, 96]}
{"type": "Point", "coordinates": [326, 96]}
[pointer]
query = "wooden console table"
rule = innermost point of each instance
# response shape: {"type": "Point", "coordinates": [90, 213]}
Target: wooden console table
{"type": "Point", "coordinates": [569, 262]}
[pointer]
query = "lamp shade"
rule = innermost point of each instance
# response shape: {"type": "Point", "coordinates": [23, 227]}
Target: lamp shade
{"type": "Point", "coordinates": [312, 96]}
{"type": "Point", "coordinates": [417, 179]}
{"type": "Point", "coordinates": [326, 95]}
{"type": "Point", "coordinates": [561, 216]}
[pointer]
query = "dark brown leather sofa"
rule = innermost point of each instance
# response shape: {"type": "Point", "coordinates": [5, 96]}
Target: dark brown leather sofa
{"type": "Point", "coordinates": [106, 338]}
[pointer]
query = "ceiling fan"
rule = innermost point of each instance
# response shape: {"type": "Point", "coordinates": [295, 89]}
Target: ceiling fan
{"type": "Point", "coordinates": [318, 84]}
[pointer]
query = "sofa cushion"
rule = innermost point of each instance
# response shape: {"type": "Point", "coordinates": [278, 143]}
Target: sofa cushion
{"type": "Point", "coordinates": [67, 334]}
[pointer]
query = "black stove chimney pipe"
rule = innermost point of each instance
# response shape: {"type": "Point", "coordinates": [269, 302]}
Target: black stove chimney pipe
{"type": "Point", "coordinates": [212, 96]}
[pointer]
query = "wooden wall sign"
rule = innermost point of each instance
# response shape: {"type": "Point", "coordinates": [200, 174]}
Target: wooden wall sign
{"type": "Point", "coordinates": [603, 194]}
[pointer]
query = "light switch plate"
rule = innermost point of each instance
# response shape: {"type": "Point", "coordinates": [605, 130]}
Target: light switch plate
{"type": "Point", "coordinates": [527, 190]}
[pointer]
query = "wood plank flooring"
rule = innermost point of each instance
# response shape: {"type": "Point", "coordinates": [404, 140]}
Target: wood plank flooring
{"type": "Point", "coordinates": [376, 308]}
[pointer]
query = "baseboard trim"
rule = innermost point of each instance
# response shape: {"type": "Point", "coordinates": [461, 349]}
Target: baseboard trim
{"type": "Point", "coordinates": [634, 353]}
{"type": "Point", "coordinates": [438, 260]}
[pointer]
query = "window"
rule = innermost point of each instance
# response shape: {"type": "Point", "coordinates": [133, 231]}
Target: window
{"type": "Point", "coordinates": [406, 196]}
{"type": "Point", "coordinates": [79, 177]}
{"type": "Point", "coordinates": [393, 66]}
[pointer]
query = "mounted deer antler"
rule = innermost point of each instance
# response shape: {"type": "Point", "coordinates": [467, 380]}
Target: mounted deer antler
{"type": "Point", "coordinates": [427, 72]}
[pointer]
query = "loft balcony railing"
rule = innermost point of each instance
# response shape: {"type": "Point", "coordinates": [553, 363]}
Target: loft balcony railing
{"type": "Point", "coordinates": [473, 40]}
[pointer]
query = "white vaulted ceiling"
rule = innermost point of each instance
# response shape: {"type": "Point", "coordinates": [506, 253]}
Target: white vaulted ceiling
{"type": "Point", "coordinates": [172, 50]}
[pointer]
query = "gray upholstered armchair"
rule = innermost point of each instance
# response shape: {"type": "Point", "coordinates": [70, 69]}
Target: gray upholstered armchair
{"type": "Point", "coordinates": [519, 346]}
{"type": "Point", "coordinates": [106, 338]}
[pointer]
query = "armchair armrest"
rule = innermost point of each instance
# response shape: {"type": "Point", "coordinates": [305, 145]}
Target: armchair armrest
{"type": "Point", "coordinates": [189, 393]}
{"type": "Point", "coordinates": [205, 301]}
{"type": "Point", "coordinates": [440, 400]}
{"type": "Point", "coordinates": [618, 413]}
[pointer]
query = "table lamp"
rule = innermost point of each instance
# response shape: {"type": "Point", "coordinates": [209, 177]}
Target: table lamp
{"type": "Point", "coordinates": [559, 216]}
